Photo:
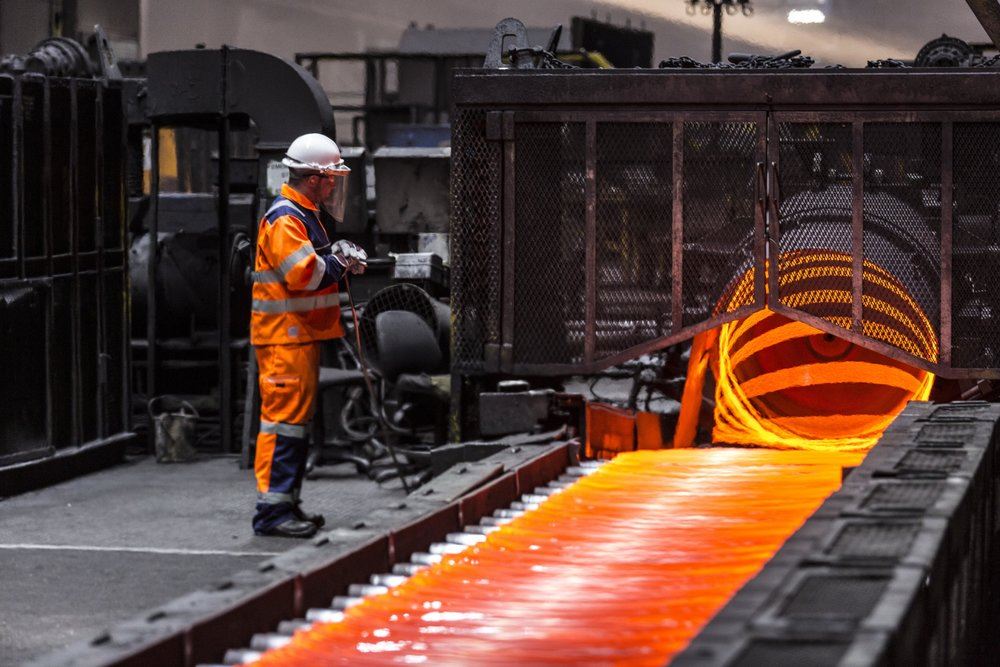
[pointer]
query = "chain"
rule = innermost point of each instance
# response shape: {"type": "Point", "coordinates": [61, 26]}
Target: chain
{"type": "Point", "coordinates": [541, 58]}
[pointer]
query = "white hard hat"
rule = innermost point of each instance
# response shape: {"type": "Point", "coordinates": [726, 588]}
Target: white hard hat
{"type": "Point", "coordinates": [317, 152]}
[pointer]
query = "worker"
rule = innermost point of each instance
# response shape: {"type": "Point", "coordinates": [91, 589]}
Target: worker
{"type": "Point", "coordinates": [296, 305]}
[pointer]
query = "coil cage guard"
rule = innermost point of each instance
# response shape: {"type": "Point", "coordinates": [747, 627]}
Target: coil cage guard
{"type": "Point", "coordinates": [598, 216]}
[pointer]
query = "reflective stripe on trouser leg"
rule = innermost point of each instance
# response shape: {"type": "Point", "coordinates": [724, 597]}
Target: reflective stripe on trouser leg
{"type": "Point", "coordinates": [289, 456]}
{"type": "Point", "coordinates": [288, 376]}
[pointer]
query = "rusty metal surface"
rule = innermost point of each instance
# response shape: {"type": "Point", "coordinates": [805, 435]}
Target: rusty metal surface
{"type": "Point", "coordinates": [988, 14]}
{"type": "Point", "coordinates": [631, 203]}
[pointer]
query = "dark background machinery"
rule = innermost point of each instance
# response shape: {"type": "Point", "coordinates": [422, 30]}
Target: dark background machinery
{"type": "Point", "coordinates": [63, 267]}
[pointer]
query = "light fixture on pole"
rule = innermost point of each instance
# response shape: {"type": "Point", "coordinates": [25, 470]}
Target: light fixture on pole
{"type": "Point", "coordinates": [715, 8]}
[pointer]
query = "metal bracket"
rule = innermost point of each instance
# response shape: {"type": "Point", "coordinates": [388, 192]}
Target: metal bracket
{"type": "Point", "coordinates": [506, 357]}
{"type": "Point", "coordinates": [491, 358]}
{"type": "Point", "coordinates": [510, 33]}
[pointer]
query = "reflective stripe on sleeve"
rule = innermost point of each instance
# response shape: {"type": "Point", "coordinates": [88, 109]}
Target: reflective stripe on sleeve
{"type": "Point", "coordinates": [318, 272]}
{"type": "Point", "coordinates": [299, 305]}
{"type": "Point", "coordinates": [290, 430]}
{"type": "Point", "coordinates": [289, 262]}
{"type": "Point", "coordinates": [266, 277]}
{"type": "Point", "coordinates": [281, 201]}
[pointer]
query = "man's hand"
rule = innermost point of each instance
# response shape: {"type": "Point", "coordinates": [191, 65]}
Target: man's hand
{"type": "Point", "coordinates": [352, 256]}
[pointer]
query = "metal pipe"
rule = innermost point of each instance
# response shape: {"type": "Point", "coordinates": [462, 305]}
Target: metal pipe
{"type": "Point", "coordinates": [225, 354]}
{"type": "Point", "coordinates": [74, 214]}
{"type": "Point", "coordinates": [717, 32]}
{"type": "Point", "coordinates": [102, 306]}
{"type": "Point", "coordinates": [151, 262]}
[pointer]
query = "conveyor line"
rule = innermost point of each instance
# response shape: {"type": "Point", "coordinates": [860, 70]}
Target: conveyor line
{"type": "Point", "coordinates": [622, 565]}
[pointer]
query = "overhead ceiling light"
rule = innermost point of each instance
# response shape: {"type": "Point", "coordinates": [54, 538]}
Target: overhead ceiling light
{"type": "Point", "coordinates": [806, 16]}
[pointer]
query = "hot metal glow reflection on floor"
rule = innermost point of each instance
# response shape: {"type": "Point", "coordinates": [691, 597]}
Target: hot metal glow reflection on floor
{"type": "Point", "coordinates": [623, 566]}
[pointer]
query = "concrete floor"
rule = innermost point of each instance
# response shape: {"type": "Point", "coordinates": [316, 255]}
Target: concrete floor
{"type": "Point", "coordinates": [83, 555]}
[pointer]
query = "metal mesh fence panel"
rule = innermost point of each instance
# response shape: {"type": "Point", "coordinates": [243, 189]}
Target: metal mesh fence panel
{"type": "Point", "coordinates": [476, 190]}
{"type": "Point", "coordinates": [718, 205]}
{"type": "Point", "coordinates": [902, 219]}
{"type": "Point", "coordinates": [815, 219]}
{"type": "Point", "coordinates": [634, 215]}
{"type": "Point", "coordinates": [550, 244]}
{"type": "Point", "coordinates": [976, 240]}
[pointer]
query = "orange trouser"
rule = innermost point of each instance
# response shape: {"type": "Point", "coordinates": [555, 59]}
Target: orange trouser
{"type": "Point", "coordinates": [288, 376]}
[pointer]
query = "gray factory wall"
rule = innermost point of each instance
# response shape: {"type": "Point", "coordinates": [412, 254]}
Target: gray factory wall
{"type": "Point", "coordinates": [856, 31]}
{"type": "Point", "coordinates": [22, 24]}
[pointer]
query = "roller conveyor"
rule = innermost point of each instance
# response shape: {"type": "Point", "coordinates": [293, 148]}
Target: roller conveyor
{"type": "Point", "coordinates": [646, 550]}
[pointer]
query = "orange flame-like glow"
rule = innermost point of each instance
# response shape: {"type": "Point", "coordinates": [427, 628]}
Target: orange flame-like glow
{"type": "Point", "coordinates": [622, 567]}
{"type": "Point", "coordinates": [786, 384]}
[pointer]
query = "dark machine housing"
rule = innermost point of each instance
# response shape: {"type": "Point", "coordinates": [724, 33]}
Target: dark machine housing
{"type": "Point", "coordinates": [63, 275]}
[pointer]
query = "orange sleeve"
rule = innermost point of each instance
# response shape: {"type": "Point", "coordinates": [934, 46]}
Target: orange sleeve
{"type": "Point", "coordinates": [292, 255]}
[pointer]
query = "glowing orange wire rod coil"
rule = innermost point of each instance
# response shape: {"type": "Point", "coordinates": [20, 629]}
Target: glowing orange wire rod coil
{"type": "Point", "coordinates": [785, 384]}
{"type": "Point", "coordinates": [623, 567]}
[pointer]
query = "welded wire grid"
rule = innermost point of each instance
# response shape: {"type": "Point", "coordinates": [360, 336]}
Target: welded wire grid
{"type": "Point", "coordinates": [550, 243]}
{"type": "Point", "coordinates": [976, 246]}
{"type": "Point", "coordinates": [902, 221]}
{"type": "Point", "coordinates": [718, 202]}
{"type": "Point", "coordinates": [634, 209]}
{"type": "Point", "coordinates": [476, 189]}
{"type": "Point", "coordinates": [815, 178]}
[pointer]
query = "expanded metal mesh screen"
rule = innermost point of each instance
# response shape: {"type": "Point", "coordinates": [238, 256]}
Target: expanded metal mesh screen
{"type": "Point", "coordinates": [476, 191]}
{"type": "Point", "coordinates": [634, 245]}
{"type": "Point", "coordinates": [816, 174]}
{"type": "Point", "coordinates": [976, 246]}
{"type": "Point", "coordinates": [549, 306]}
{"type": "Point", "coordinates": [718, 218]}
{"type": "Point", "coordinates": [902, 221]}
{"type": "Point", "coordinates": [582, 238]}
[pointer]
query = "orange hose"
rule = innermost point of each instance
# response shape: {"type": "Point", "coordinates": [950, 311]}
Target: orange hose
{"type": "Point", "coordinates": [624, 566]}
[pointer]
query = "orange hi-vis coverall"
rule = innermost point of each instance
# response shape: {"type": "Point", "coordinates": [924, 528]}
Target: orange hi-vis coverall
{"type": "Point", "coordinates": [296, 304]}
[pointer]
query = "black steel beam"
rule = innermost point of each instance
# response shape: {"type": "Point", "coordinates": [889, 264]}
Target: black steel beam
{"type": "Point", "coordinates": [869, 89]}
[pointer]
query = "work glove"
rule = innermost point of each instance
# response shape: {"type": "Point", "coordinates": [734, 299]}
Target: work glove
{"type": "Point", "coordinates": [351, 256]}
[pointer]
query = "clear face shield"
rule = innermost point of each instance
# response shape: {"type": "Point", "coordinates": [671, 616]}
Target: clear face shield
{"type": "Point", "coordinates": [335, 203]}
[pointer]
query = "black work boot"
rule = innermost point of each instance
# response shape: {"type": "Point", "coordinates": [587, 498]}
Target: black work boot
{"type": "Point", "coordinates": [300, 514]}
{"type": "Point", "coordinates": [292, 528]}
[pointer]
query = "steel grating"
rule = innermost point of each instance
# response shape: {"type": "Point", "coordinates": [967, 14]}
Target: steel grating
{"type": "Point", "coordinates": [549, 300]}
{"type": "Point", "coordinates": [633, 211]}
{"type": "Point", "coordinates": [948, 433]}
{"type": "Point", "coordinates": [874, 540]}
{"type": "Point", "coordinates": [931, 461]}
{"type": "Point", "coordinates": [475, 226]}
{"type": "Point", "coordinates": [718, 213]}
{"type": "Point", "coordinates": [781, 654]}
{"type": "Point", "coordinates": [839, 596]}
{"type": "Point", "coordinates": [889, 496]}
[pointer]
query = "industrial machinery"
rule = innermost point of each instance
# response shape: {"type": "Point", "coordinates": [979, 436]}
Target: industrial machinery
{"type": "Point", "coordinates": [63, 267]}
{"type": "Point", "coordinates": [825, 240]}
